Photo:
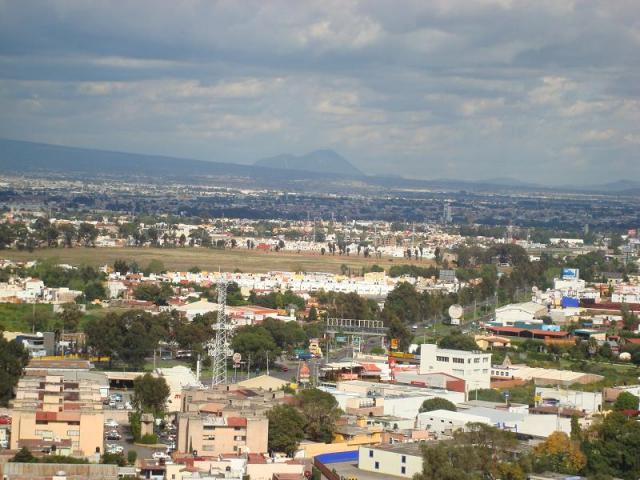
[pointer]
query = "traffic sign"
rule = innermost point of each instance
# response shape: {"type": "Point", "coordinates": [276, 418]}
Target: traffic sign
{"type": "Point", "coordinates": [236, 358]}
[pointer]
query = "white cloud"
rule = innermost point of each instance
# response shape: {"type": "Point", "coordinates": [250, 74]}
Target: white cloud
{"type": "Point", "coordinates": [599, 135]}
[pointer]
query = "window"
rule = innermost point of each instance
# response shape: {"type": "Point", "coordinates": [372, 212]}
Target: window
{"type": "Point", "coordinates": [442, 359]}
{"type": "Point", "coordinates": [403, 470]}
{"type": "Point", "coordinates": [73, 433]}
{"type": "Point", "coordinates": [485, 360]}
{"type": "Point", "coordinates": [377, 466]}
{"type": "Point", "coordinates": [404, 459]}
{"type": "Point", "coordinates": [476, 360]}
{"type": "Point", "coordinates": [485, 370]}
{"type": "Point", "coordinates": [370, 453]}
{"type": "Point", "coordinates": [458, 360]}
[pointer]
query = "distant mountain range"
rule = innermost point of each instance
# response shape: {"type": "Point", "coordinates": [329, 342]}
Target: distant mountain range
{"type": "Point", "coordinates": [321, 170]}
{"type": "Point", "coordinates": [321, 161]}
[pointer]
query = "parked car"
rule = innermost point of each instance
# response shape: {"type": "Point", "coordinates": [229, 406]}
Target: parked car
{"type": "Point", "coordinates": [159, 455]}
{"type": "Point", "coordinates": [111, 423]}
{"type": "Point", "coordinates": [114, 448]}
{"type": "Point", "coordinates": [113, 435]}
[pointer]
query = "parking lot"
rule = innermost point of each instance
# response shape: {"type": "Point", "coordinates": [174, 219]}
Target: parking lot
{"type": "Point", "coordinates": [118, 436]}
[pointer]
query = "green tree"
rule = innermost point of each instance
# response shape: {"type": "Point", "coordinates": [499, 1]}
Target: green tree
{"type": "Point", "coordinates": [24, 455]}
{"type": "Point", "coordinates": [313, 314]}
{"type": "Point", "coordinates": [94, 290]}
{"type": "Point", "coordinates": [320, 410]}
{"type": "Point", "coordinates": [255, 343]}
{"type": "Point", "coordinates": [13, 359]}
{"type": "Point", "coordinates": [151, 292]}
{"type": "Point", "coordinates": [437, 403]}
{"type": "Point", "coordinates": [114, 459]}
{"type": "Point", "coordinates": [70, 317]}
{"type": "Point", "coordinates": [612, 447]}
{"type": "Point", "coordinates": [120, 266]}
{"type": "Point", "coordinates": [286, 429]}
{"type": "Point", "coordinates": [287, 335]}
{"type": "Point", "coordinates": [458, 341]}
{"type": "Point", "coordinates": [404, 302]}
{"type": "Point", "coordinates": [150, 394]}
{"type": "Point", "coordinates": [104, 334]}
{"type": "Point", "coordinates": [626, 401]}
{"type": "Point", "coordinates": [87, 233]}
{"type": "Point", "coordinates": [397, 329]}
{"type": "Point", "coordinates": [576, 430]}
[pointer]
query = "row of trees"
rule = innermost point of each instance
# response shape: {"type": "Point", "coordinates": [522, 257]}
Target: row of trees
{"type": "Point", "coordinates": [133, 336]}
{"type": "Point", "coordinates": [42, 233]}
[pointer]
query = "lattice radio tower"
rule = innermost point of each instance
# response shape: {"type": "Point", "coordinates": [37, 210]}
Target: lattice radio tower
{"type": "Point", "coordinates": [219, 345]}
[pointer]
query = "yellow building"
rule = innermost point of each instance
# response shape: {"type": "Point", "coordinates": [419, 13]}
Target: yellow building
{"type": "Point", "coordinates": [52, 414]}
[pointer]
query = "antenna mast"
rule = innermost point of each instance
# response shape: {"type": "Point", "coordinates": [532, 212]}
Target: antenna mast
{"type": "Point", "coordinates": [219, 345]}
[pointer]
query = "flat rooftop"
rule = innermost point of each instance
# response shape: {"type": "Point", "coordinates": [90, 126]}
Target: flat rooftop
{"type": "Point", "coordinates": [414, 449]}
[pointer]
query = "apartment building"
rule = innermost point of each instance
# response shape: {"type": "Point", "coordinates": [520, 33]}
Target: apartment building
{"type": "Point", "coordinates": [473, 367]}
{"type": "Point", "coordinates": [225, 419]}
{"type": "Point", "coordinates": [210, 434]}
{"type": "Point", "coordinates": [53, 414]}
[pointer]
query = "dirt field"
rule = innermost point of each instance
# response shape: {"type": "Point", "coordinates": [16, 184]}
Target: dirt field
{"type": "Point", "coordinates": [182, 259]}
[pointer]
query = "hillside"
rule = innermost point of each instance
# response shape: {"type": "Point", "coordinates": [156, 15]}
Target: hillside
{"type": "Point", "coordinates": [320, 161]}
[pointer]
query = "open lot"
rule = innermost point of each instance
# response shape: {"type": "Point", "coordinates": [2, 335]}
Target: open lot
{"type": "Point", "coordinates": [207, 259]}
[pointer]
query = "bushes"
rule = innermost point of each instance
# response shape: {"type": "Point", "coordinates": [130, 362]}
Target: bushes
{"type": "Point", "coordinates": [149, 439]}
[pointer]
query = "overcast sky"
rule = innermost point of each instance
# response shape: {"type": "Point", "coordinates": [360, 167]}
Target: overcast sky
{"type": "Point", "coordinates": [542, 90]}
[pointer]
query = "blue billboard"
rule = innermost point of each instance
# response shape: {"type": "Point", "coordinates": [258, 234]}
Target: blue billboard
{"type": "Point", "coordinates": [570, 273]}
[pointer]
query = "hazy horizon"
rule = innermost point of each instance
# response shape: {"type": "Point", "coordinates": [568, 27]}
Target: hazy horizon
{"type": "Point", "coordinates": [538, 91]}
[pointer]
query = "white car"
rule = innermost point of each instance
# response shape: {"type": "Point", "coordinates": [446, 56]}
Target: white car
{"type": "Point", "coordinates": [111, 423]}
{"type": "Point", "coordinates": [159, 455]}
{"type": "Point", "coordinates": [113, 448]}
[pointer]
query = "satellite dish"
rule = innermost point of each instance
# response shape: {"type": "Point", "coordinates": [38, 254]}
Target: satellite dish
{"type": "Point", "coordinates": [456, 311]}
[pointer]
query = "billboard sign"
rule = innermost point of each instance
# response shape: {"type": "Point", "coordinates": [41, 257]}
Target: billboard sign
{"type": "Point", "coordinates": [570, 273]}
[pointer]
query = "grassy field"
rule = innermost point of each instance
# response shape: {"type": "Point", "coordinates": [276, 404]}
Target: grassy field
{"type": "Point", "coordinates": [19, 317]}
{"type": "Point", "coordinates": [181, 259]}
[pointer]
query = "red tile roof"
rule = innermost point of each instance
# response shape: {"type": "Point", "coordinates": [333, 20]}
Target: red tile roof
{"type": "Point", "coordinates": [370, 367]}
{"type": "Point", "coordinates": [256, 458]}
{"type": "Point", "coordinates": [534, 331]}
{"type": "Point", "coordinates": [236, 422]}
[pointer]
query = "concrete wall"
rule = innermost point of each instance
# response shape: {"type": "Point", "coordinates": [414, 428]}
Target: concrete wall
{"type": "Point", "coordinates": [389, 463]}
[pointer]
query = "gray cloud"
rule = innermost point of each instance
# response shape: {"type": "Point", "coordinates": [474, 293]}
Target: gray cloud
{"type": "Point", "coordinates": [539, 90]}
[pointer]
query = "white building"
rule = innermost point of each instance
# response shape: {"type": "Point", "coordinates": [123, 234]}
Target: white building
{"type": "Point", "coordinates": [520, 312]}
{"type": "Point", "coordinates": [400, 460]}
{"type": "Point", "coordinates": [473, 367]}
{"type": "Point", "coordinates": [588, 402]}
{"type": "Point", "coordinates": [445, 422]}
{"type": "Point", "coordinates": [392, 399]}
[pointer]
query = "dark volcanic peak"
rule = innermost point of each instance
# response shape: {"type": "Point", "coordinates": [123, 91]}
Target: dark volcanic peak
{"type": "Point", "coordinates": [321, 161]}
